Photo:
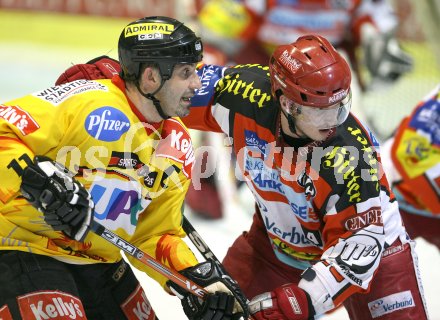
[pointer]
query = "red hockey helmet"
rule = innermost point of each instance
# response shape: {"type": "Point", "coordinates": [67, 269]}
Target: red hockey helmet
{"type": "Point", "coordinates": [310, 72]}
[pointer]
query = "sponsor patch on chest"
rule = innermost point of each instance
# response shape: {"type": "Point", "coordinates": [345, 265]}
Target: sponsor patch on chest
{"type": "Point", "coordinates": [107, 124]}
{"type": "Point", "coordinates": [176, 144]}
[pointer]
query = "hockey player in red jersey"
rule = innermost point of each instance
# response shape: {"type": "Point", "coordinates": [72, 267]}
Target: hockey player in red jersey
{"type": "Point", "coordinates": [327, 229]}
{"type": "Point", "coordinates": [248, 31]}
{"type": "Point", "coordinates": [411, 159]}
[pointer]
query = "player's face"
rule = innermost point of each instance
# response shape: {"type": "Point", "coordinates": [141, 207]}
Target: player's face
{"type": "Point", "coordinates": [317, 123]}
{"type": "Point", "coordinates": [175, 96]}
{"type": "Point", "coordinates": [305, 129]}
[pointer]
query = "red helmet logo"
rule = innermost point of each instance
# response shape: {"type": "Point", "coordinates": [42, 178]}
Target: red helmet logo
{"type": "Point", "coordinates": [310, 72]}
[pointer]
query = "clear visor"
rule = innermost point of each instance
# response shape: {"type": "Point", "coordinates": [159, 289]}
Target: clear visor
{"type": "Point", "coordinates": [324, 118]}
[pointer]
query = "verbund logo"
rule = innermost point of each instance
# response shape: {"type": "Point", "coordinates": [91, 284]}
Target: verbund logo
{"type": "Point", "coordinates": [107, 124]}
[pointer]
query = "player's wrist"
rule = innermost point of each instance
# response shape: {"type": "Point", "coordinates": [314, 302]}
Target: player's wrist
{"type": "Point", "coordinates": [316, 292]}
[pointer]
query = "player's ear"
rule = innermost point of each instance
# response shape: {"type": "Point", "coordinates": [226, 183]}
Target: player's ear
{"type": "Point", "coordinates": [285, 104]}
{"type": "Point", "coordinates": [150, 78]}
{"type": "Point", "coordinates": [283, 101]}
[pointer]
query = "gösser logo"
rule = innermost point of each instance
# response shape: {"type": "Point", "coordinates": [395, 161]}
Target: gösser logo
{"type": "Point", "coordinates": [107, 124]}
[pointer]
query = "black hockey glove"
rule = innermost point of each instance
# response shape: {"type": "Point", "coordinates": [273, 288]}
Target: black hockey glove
{"type": "Point", "coordinates": [65, 203]}
{"type": "Point", "coordinates": [224, 301]}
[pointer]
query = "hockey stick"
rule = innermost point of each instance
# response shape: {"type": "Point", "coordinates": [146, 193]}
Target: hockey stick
{"type": "Point", "coordinates": [198, 242]}
{"type": "Point", "coordinates": [148, 260]}
{"type": "Point", "coordinates": [201, 245]}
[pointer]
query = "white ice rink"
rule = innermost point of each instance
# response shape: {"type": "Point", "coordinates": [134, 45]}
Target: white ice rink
{"type": "Point", "coordinates": [27, 68]}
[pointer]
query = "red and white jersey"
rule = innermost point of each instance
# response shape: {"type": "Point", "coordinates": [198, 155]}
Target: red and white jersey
{"type": "Point", "coordinates": [412, 158]}
{"type": "Point", "coordinates": [325, 206]}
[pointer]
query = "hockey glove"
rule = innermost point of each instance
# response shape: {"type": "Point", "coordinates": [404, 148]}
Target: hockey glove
{"type": "Point", "coordinates": [288, 302]}
{"type": "Point", "coordinates": [65, 203]}
{"type": "Point", "coordinates": [384, 58]}
{"type": "Point", "coordinates": [102, 67]}
{"type": "Point", "coordinates": [224, 301]}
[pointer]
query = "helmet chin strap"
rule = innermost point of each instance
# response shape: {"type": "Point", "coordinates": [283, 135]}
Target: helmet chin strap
{"type": "Point", "coordinates": [292, 125]}
{"type": "Point", "coordinates": [155, 101]}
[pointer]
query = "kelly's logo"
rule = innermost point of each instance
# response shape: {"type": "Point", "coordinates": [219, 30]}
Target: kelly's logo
{"type": "Point", "coordinates": [290, 63]}
{"type": "Point", "coordinates": [137, 306]}
{"type": "Point", "coordinates": [50, 305]}
{"type": "Point", "coordinates": [176, 144]}
{"type": "Point", "coordinates": [19, 118]}
{"type": "Point", "coordinates": [253, 140]}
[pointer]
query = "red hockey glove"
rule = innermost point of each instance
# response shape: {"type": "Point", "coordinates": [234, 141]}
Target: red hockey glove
{"type": "Point", "coordinates": [102, 67]}
{"type": "Point", "coordinates": [288, 302]}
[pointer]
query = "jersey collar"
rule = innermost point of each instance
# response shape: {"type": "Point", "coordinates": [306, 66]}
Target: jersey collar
{"type": "Point", "coordinates": [120, 83]}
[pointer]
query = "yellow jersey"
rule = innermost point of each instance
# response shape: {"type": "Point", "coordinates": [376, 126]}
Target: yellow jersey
{"type": "Point", "coordinates": [137, 173]}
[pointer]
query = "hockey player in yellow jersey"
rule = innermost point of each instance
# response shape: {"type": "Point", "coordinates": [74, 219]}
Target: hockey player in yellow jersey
{"type": "Point", "coordinates": [131, 157]}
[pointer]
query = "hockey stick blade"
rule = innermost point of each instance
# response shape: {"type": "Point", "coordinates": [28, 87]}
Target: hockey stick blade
{"type": "Point", "coordinates": [148, 260]}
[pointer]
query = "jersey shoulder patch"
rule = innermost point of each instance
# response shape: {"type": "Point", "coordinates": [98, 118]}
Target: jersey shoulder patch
{"type": "Point", "coordinates": [176, 144]}
{"type": "Point", "coordinates": [58, 94]}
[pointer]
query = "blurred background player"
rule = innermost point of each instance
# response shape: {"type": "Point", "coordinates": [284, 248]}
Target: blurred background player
{"type": "Point", "coordinates": [411, 159]}
{"type": "Point", "coordinates": [248, 31]}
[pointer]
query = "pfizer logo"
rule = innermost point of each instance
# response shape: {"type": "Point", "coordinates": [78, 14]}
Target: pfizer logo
{"type": "Point", "coordinates": [107, 124]}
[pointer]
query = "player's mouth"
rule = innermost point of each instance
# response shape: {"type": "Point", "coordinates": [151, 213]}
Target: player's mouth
{"type": "Point", "coordinates": [325, 133]}
{"type": "Point", "coordinates": [186, 100]}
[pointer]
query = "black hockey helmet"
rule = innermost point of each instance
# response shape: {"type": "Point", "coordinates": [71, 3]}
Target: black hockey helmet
{"type": "Point", "coordinates": [160, 40]}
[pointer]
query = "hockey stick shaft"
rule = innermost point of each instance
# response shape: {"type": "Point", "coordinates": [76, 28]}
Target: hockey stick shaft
{"type": "Point", "coordinates": [197, 240]}
{"type": "Point", "coordinates": [201, 245]}
{"type": "Point", "coordinates": [148, 260]}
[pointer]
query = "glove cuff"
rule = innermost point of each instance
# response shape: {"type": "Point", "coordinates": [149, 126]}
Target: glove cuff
{"type": "Point", "coordinates": [108, 66]}
{"type": "Point", "coordinates": [317, 293]}
{"type": "Point", "coordinates": [102, 67]}
{"type": "Point", "coordinates": [294, 302]}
